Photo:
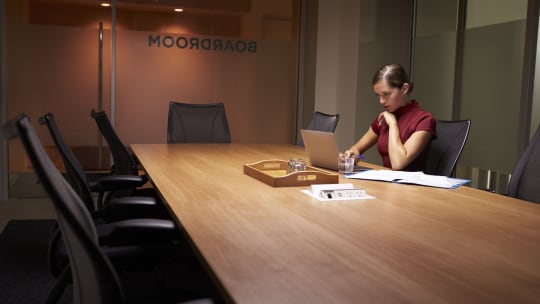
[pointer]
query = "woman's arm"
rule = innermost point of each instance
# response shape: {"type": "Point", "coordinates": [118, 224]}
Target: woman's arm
{"type": "Point", "coordinates": [364, 143]}
{"type": "Point", "coordinates": [402, 154]}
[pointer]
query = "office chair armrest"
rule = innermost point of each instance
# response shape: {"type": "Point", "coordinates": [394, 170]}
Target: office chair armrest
{"type": "Point", "coordinates": [133, 207]}
{"type": "Point", "coordinates": [141, 231]}
{"type": "Point", "coordinates": [116, 182]}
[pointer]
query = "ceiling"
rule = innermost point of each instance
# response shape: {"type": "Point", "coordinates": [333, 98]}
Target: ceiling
{"type": "Point", "coordinates": [199, 6]}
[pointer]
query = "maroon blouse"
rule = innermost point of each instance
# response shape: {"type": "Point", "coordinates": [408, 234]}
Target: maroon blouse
{"type": "Point", "coordinates": [410, 118]}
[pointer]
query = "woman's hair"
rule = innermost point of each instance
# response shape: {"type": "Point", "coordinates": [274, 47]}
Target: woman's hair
{"type": "Point", "coordinates": [394, 74]}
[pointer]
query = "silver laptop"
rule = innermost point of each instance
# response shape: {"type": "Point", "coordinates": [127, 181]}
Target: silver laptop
{"type": "Point", "coordinates": [321, 148]}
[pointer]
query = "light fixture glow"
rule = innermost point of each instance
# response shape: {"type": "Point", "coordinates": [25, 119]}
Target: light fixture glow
{"type": "Point", "coordinates": [179, 10]}
{"type": "Point", "coordinates": [105, 4]}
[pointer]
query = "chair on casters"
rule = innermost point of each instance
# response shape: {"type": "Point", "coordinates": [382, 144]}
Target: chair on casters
{"type": "Point", "coordinates": [126, 206]}
{"type": "Point", "coordinates": [446, 149]}
{"type": "Point", "coordinates": [197, 123]}
{"type": "Point", "coordinates": [321, 122]}
{"type": "Point", "coordinates": [525, 179]}
{"type": "Point", "coordinates": [122, 219]}
{"type": "Point", "coordinates": [94, 278]}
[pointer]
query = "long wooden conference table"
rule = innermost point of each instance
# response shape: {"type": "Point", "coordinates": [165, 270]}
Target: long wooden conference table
{"type": "Point", "coordinates": [411, 244]}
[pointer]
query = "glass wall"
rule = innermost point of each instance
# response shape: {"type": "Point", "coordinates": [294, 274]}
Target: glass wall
{"type": "Point", "coordinates": [491, 85]}
{"type": "Point", "coordinates": [52, 66]}
{"type": "Point", "coordinates": [242, 53]}
{"type": "Point", "coordinates": [434, 55]}
{"type": "Point", "coordinates": [70, 56]}
{"type": "Point", "coordinates": [489, 79]}
{"type": "Point", "coordinates": [535, 109]}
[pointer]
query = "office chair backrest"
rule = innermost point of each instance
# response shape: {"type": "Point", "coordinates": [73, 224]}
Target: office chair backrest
{"type": "Point", "coordinates": [75, 171]}
{"type": "Point", "coordinates": [446, 149]}
{"type": "Point", "coordinates": [525, 179]}
{"type": "Point", "coordinates": [197, 123]}
{"type": "Point", "coordinates": [94, 278]}
{"type": "Point", "coordinates": [124, 163]}
{"type": "Point", "coordinates": [321, 122]}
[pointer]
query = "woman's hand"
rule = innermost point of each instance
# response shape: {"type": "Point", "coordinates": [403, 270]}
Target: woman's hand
{"type": "Point", "coordinates": [351, 152]}
{"type": "Point", "coordinates": [387, 117]}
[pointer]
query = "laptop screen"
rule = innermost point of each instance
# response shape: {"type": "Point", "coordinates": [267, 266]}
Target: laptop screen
{"type": "Point", "coordinates": [321, 148]}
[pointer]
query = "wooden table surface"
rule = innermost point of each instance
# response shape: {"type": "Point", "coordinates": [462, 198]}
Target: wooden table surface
{"type": "Point", "coordinates": [411, 244]}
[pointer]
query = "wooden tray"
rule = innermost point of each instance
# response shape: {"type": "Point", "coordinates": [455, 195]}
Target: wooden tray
{"type": "Point", "coordinates": [274, 173]}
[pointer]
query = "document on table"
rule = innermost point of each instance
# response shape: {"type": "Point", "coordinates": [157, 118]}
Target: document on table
{"type": "Point", "coordinates": [405, 177]}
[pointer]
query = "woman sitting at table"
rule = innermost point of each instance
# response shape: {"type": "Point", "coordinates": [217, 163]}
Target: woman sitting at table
{"type": "Point", "coordinates": [403, 131]}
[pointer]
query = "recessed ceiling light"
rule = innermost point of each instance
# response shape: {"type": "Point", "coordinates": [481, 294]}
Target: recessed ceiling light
{"type": "Point", "coordinates": [105, 4]}
{"type": "Point", "coordinates": [179, 10]}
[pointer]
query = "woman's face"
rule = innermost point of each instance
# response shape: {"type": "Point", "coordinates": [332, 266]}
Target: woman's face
{"type": "Point", "coordinates": [391, 98]}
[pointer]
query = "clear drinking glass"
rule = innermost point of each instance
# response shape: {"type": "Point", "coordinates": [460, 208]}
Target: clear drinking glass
{"type": "Point", "coordinates": [296, 164]}
{"type": "Point", "coordinates": [345, 164]}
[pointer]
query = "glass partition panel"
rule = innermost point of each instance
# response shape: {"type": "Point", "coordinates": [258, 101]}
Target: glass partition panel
{"type": "Point", "coordinates": [70, 56]}
{"type": "Point", "coordinates": [242, 53]}
{"type": "Point", "coordinates": [52, 66]}
{"type": "Point", "coordinates": [434, 55]}
{"type": "Point", "coordinates": [491, 83]}
{"type": "Point", "coordinates": [535, 108]}
{"type": "Point", "coordinates": [491, 78]}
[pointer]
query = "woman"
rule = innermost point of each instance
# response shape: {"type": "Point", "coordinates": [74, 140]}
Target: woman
{"type": "Point", "coordinates": [403, 132]}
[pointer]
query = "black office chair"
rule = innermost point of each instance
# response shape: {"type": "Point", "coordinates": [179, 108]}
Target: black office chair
{"type": "Point", "coordinates": [321, 122]}
{"type": "Point", "coordinates": [124, 163]}
{"type": "Point", "coordinates": [146, 214]}
{"type": "Point", "coordinates": [94, 278]}
{"type": "Point", "coordinates": [120, 207]}
{"type": "Point", "coordinates": [525, 179]}
{"type": "Point", "coordinates": [197, 123]}
{"type": "Point", "coordinates": [447, 147]}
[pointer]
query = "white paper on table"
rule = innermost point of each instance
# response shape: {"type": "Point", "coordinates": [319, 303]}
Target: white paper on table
{"type": "Point", "coordinates": [405, 177]}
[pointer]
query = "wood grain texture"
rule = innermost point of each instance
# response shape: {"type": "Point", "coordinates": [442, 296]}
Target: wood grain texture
{"type": "Point", "coordinates": [411, 244]}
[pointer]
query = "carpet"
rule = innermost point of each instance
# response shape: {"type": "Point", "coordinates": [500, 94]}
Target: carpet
{"type": "Point", "coordinates": [24, 274]}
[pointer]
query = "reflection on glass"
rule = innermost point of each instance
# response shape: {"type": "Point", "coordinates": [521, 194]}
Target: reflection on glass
{"type": "Point", "coordinates": [491, 86]}
{"type": "Point", "coordinates": [243, 53]}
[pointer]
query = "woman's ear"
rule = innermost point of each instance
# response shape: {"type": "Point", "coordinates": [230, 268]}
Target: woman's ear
{"type": "Point", "coordinates": [405, 88]}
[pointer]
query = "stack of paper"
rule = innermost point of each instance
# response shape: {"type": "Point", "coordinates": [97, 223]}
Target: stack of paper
{"type": "Point", "coordinates": [405, 177]}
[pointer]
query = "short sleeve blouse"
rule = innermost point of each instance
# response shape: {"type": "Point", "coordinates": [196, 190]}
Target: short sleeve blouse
{"type": "Point", "coordinates": [410, 118]}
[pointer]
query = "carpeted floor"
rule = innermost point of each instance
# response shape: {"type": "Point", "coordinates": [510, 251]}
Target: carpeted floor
{"type": "Point", "coordinates": [24, 275]}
